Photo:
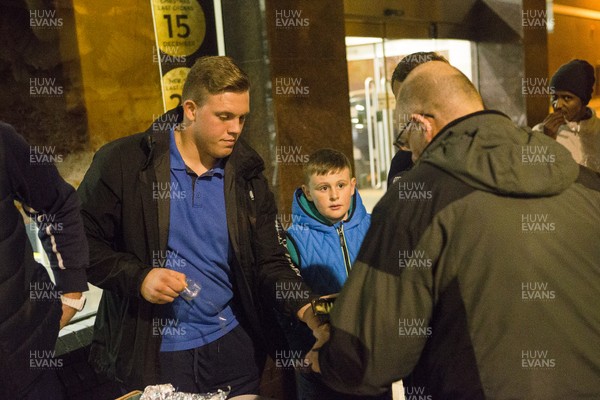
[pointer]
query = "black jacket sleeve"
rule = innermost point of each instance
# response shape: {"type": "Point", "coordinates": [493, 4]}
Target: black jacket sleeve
{"type": "Point", "coordinates": [101, 193]}
{"type": "Point", "coordinates": [53, 204]}
{"type": "Point", "coordinates": [279, 280]}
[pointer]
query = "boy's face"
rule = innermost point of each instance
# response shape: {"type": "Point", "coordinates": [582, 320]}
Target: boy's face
{"type": "Point", "coordinates": [331, 193]}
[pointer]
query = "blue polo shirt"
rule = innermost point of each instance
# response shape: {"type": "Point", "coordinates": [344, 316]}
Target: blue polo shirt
{"type": "Point", "coordinates": [199, 247]}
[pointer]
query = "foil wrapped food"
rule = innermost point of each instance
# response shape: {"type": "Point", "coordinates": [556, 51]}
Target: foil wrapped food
{"type": "Point", "coordinates": [168, 392]}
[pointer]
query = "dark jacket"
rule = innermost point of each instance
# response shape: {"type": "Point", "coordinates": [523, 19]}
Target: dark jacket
{"type": "Point", "coordinates": [401, 163]}
{"type": "Point", "coordinates": [479, 277]}
{"type": "Point", "coordinates": [127, 225]}
{"type": "Point", "coordinates": [30, 308]}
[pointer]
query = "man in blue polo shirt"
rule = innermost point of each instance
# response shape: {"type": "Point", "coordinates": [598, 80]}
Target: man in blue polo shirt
{"type": "Point", "coordinates": [182, 204]}
{"type": "Point", "coordinates": [201, 251]}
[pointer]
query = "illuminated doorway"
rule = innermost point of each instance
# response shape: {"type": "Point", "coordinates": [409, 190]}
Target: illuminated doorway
{"type": "Point", "coordinates": [371, 62]}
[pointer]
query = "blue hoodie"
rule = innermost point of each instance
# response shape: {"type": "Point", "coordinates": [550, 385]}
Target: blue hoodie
{"type": "Point", "coordinates": [323, 251]}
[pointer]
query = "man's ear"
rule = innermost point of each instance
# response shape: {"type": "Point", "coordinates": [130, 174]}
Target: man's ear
{"type": "Point", "coordinates": [306, 192]}
{"type": "Point", "coordinates": [430, 129]}
{"type": "Point", "coordinates": [353, 185]}
{"type": "Point", "coordinates": [189, 110]}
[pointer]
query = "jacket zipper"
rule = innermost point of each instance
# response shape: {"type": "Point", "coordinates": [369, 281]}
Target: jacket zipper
{"type": "Point", "coordinates": [344, 247]}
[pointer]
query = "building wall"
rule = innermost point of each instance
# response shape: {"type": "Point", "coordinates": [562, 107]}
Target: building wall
{"type": "Point", "coordinates": [119, 67]}
{"type": "Point", "coordinates": [576, 37]}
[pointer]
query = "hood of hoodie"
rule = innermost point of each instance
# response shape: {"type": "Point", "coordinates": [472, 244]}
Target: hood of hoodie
{"type": "Point", "coordinates": [488, 152]}
{"type": "Point", "coordinates": [305, 213]}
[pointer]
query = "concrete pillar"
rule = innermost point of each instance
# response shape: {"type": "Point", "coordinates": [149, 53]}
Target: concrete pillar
{"type": "Point", "coordinates": [513, 58]}
{"type": "Point", "coordinates": [295, 54]}
{"type": "Point", "coordinates": [536, 87]}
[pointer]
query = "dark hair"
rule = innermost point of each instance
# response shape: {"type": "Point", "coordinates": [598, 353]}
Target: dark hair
{"type": "Point", "coordinates": [325, 161]}
{"type": "Point", "coordinates": [411, 61]}
{"type": "Point", "coordinates": [213, 75]}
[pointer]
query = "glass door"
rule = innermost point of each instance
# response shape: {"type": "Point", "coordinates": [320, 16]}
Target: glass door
{"type": "Point", "coordinates": [370, 104]}
{"type": "Point", "coordinates": [371, 62]}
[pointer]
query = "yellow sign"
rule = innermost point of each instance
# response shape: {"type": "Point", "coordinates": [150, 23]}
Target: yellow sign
{"type": "Point", "coordinates": [173, 85]}
{"type": "Point", "coordinates": [180, 26]}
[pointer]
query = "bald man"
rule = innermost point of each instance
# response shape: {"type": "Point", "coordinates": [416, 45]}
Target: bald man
{"type": "Point", "coordinates": [402, 160]}
{"type": "Point", "coordinates": [457, 97]}
{"type": "Point", "coordinates": [479, 277]}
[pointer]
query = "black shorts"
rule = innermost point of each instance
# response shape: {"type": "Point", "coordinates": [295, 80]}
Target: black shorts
{"type": "Point", "coordinates": [228, 361]}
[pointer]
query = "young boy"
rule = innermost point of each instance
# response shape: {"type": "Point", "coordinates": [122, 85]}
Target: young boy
{"type": "Point", "coordinates": [329, 223]}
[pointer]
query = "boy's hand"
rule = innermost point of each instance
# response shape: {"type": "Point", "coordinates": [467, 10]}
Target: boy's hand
{"type": "Point", "coordinates": [306, 315]}
{"type": "Point", "coordinates": [320, 332]}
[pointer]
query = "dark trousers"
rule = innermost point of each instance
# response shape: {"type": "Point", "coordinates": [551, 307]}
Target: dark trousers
{"type": "Point", "coordinates": [228, 361]}
{"type": "Point", "coordinates": [311, 387]}
{"type": "Point", "coordinates": [46, 386]}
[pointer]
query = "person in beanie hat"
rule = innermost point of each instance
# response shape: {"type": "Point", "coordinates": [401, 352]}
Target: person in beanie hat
{"type": "Point", "coordinates": [573, 124]}
{"type": "Point", "coordinates": [576, 77]}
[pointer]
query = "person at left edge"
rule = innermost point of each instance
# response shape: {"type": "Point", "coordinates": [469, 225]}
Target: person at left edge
{"type": "Point", "coordinates": [31, 313]}
{"type": "Point", "coordinates": [188, 194]}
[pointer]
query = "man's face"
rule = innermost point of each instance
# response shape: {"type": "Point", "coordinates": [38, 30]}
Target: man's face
{"type": "Point", "coordinates": [217, 124]}
{"type": "Point", "coordinates": [569, 105]}
{"type": "Point", "coordinates": [331, 193]}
